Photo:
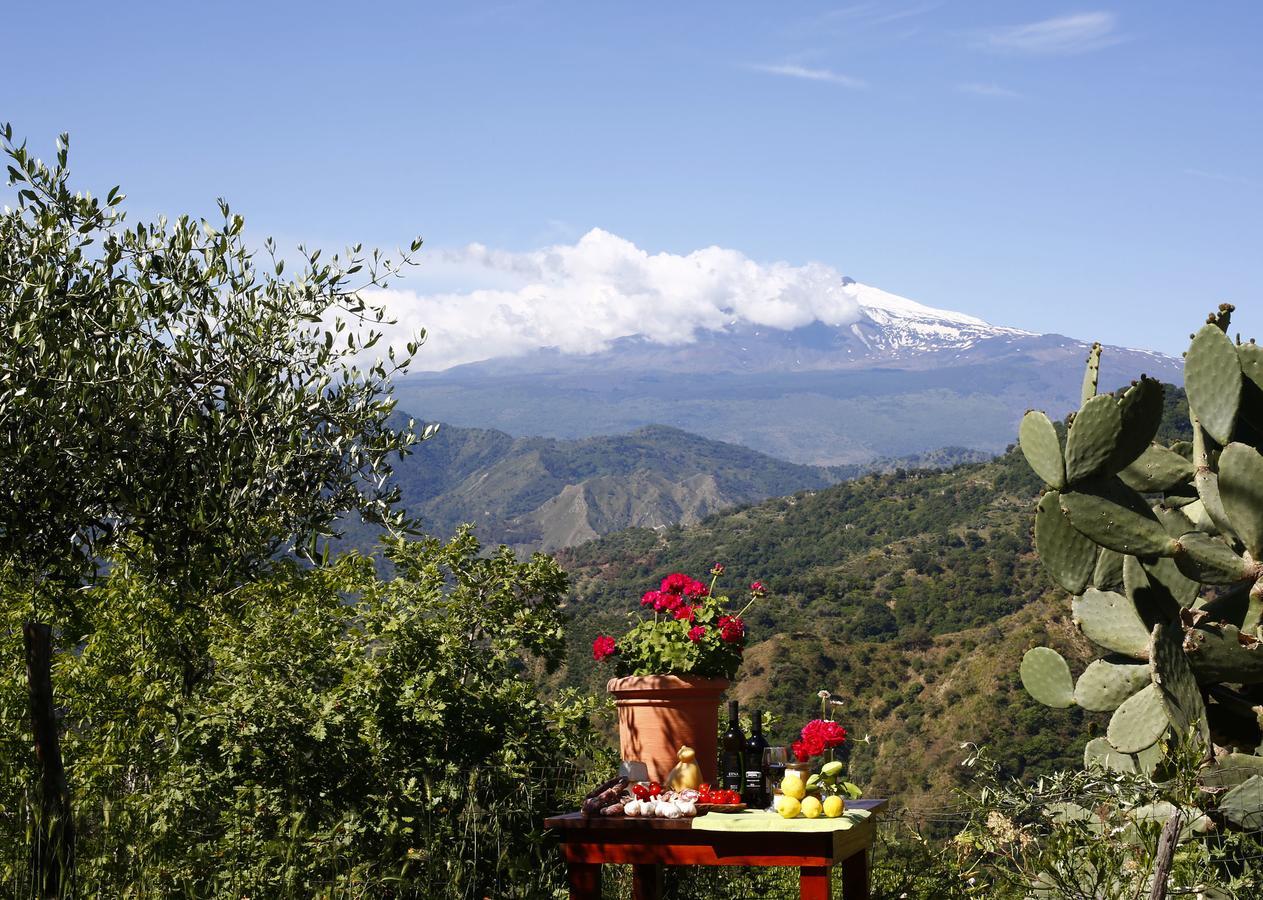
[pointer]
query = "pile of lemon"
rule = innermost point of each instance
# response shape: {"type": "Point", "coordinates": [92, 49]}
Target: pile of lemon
{"type": "Point", "coordinates": [794, 801]}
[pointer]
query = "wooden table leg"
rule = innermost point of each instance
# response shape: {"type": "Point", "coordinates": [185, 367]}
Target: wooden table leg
{"type": "Point", "coordinates": [647, 882]}
{"type": "Point", "coordinates": [585, 880]}
{"type": "Point", "coordinates": [813, 883]}
{"type": "Point", "coordinates": [855, 876]}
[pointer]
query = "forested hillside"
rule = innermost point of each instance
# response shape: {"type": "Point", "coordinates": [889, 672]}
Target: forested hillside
{"type": "Point", "coordinates": [911, 594]}
{"type": "Point", "coordinates": [537, 493]}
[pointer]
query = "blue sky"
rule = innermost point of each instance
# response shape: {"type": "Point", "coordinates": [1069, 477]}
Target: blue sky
{"type": "Point", "coordinates": [1082, 168]}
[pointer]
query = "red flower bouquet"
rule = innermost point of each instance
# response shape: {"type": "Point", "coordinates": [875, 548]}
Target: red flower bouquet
{"type": "Point", "coordinates": [691, 631]}
{"type": "Point", "coordinates": [821, 734]}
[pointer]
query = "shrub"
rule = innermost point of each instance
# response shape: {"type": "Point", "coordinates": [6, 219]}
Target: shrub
{"type": "Point", "coordinates": [353, 736]}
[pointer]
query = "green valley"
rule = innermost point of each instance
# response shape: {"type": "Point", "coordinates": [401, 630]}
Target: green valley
{"type": "Point", "coordinates": [911, 595]}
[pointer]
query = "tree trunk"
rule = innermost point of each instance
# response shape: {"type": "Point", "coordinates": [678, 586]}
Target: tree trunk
{"type": "Point", "coordinates": [52, 857]}
{"type": "Point", "coordinates": [1166, 853]}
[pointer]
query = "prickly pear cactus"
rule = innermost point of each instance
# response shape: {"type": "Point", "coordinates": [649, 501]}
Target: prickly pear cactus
{"type": "Point", "coordinates": [1162, 550]}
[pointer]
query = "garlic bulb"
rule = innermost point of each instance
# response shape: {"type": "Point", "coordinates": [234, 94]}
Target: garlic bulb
{"type": "Point", "coordinates": [687, 808]}
{"type": "Point", "coordinates": [632, 808]}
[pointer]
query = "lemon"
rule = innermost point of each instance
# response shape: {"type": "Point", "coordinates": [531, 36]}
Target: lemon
{"type": "Point", "coordinates": [811, 807]}
{"type": "Point", "coordinates": [788, 807]}
{"type": "Point", "coordinates": [792, 786]}
{"type": "Point", "coordinates": [833, 806]}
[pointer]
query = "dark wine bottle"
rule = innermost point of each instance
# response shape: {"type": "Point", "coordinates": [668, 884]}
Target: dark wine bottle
{"type": "Point", "coordinates": [755, 796]}
{"type": "Point", "coordinates": [731, 767]}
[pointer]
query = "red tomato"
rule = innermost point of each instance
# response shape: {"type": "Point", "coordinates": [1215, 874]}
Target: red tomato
{"type": "Point", "coordinates": [640, 792]}
{"type": "Point", "coordinates": [654, 789]}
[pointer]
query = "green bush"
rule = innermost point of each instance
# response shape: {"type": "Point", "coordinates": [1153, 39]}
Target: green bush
{"type": "Point", "coordinates": [351, 736]}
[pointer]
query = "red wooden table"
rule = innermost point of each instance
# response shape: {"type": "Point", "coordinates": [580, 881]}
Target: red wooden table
{"type": "Point", "coordinates": [649, 844]}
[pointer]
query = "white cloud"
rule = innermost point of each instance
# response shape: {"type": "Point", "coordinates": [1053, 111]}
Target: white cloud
{"type": "Point", "coordinates": [981, 89]}
{"type": "Point", "coordinates": [1060, 36]}
{"type": "Point", "coordinates": [791, 70]}
{"type": "Point", "coordinates": [579, 297]}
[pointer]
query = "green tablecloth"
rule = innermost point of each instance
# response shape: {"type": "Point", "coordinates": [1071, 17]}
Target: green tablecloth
{"type": "Point", "coordinates": [761, 820]}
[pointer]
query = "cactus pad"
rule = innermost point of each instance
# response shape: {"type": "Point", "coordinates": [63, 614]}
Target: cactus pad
{"type": "Point", "coordinates": [1108, 574]}
{"type": "Point", "coordinates": [1046, 677]}
{"type": "Point", "coordinates": [1141, 409]}
{"type": "Point", "coordinates": [1171, 673]}
{"type": "Point", "coordinates": [1115, 516]}
{"type": "Point", "coordinates": [1212, 378]}
{"type": "Point", "coordinates": [1173, 520]}
{"type": "Point", "coordinates": [1042, 449]}
{"type": "Point", "coordinates": [1223, 653]}
{"type": "Point", "coordinates": [1104, 685]}
{"type": "Point", "coordinates": [1241, 492]}
{"type": "Point", "coordinates": [1207, 484]}
{"type": "Point", "coordinates": [1153, 602]}
{"type": "Point", "coordinates": [1098, 753]}
{"type": "Point", "coordinates": [1232, 770]}
{"type": "Point", "coordinates": [1157, 469]}
{"type": "Point", "coordinates": [1064, 812]}
{"type": "Point", "coordinates": [1147, 760]}
{"type": "Point", "coordinates": [1251, 358]}
{"type": "Point", "coordinates": [1196, 513]}
{"type": "Point", "coordinates": [1067, 555]}
{"type": "Point", "coordinates": [1138, 723]}
{"type": "Point", "coordinates": [1091, 373]}
{"type": "Point", "coordinates": [1210, 560]}
{"type": "Point", "coordinates": [1092, 438]}
{"type": "Point", "coordinates": [1243, 805]}
{"type": "Point", "coordinates": [1164, 571]}
{"type": "Point", "coordinates": [1110, 619]}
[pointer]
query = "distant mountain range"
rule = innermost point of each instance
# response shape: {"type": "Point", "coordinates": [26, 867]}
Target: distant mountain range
{"type": "Point", "coordinates": [900, 379]}
{"type": "Point", "coordinates": [545, 493]}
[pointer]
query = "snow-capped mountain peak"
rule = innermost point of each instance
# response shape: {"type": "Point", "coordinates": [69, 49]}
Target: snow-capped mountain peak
{"type": "Point", "coordinates": [895, 325]}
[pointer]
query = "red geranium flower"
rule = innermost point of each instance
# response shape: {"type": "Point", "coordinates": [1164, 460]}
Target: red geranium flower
{"type": "Point", "coordinates": [818, 735]}
{"type": "Point", "coordinates": [696, 633]}
{"type": "Point", "coordinates": [602, 647]}
{"type": "Point", "coordinates": [758, 589]}
{"type": "Point", "coordinates": [824, 732]}
{"type": "Point", "coordinates": [696, 589]}
{"type": "Point", "coordinates": [717, 569]}
{"type": "Point", "coordinates": [648, 598]}
{"type": "Point", "coordinates": [675, 583]}
{"type": "Point", "coordinates": [731, 629]}
{"type": "Point", "coordinates": [684, 612]}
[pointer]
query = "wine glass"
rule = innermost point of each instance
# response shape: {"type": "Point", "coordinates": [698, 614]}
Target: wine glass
{"type": "Point", "coordinates": [774, 761]}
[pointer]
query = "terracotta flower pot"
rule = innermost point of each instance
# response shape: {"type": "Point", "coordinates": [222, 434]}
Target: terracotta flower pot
{"type": "Point", "coordinates": [659, 713]}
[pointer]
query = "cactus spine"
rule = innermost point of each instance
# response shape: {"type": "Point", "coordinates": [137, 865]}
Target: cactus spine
{"type": "Point", "coordinates": [1162, 549]}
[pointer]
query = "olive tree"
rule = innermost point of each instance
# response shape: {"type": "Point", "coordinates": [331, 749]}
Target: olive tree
{"type": "Point", "coordinates": [172, 397]}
